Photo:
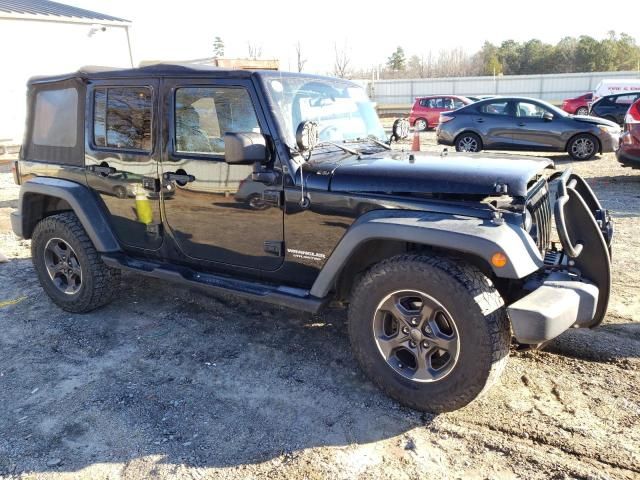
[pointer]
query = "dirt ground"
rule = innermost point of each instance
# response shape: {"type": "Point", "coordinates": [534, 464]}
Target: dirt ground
{"type": "Point", "coordinates": [170, 383]}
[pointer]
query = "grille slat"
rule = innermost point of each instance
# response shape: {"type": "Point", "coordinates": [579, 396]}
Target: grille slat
{"type": "Point", "coordinates": [540, 209]}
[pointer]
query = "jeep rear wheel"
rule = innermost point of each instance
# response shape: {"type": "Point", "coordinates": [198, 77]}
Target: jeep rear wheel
{"type": "Point", "coordinates": [68, 266]}
{"type": "Point", "coordinates": [430, 331]}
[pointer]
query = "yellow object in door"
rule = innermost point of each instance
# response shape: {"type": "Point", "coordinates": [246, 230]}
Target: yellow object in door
{"type": "Point", "coordinates": [143, 209]}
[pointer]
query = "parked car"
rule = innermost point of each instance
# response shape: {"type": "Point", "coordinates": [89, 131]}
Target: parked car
{"type": "Point", "coordinates": [614, 107]}
{"type": "Point", "coordinates": [426, 111]}
{"type": "Point", "coordinates": [628, 152]}
{"type": "Point", "coordinates": [451, 258]}
{"type": "Point", "coordinates": [518, 123]}
{"type": "Point", "coordinates": [477, 98]}
{"type": "Point", "coordinates": [578, 105]}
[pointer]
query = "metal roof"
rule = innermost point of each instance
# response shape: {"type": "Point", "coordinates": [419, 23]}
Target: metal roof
{"type": "Point", "coordinates": [52, 11]}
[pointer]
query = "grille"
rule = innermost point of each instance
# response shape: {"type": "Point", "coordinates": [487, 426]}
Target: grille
{"type": "Point", "coordinates": [540, 209]}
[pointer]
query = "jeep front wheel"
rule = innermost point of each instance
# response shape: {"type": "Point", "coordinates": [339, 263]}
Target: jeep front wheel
{"type": "Point", "coordinates": [430, 331]}
{"type": "Point", "coordinates": [68, 266]}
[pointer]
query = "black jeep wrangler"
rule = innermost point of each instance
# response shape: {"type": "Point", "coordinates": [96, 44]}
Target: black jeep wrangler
{"type": "Point", "coordinates": [282, 188]}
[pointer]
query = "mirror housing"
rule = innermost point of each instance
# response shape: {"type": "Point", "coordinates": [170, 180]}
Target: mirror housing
{"type": "Point", "coordinates": [548, 116]}
{"type": "Point", "coordinates": [307, 136]}
{"type": "Point", "coordinates": [245, 148]}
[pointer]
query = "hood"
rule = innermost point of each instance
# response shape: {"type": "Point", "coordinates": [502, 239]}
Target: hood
{"type": "Point", "coordinates": [416, 172]}
{"type": "Point", "coordinates": [595, 120]}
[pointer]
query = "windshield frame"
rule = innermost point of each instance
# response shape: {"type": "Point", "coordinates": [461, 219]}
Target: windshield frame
{"type": "Point", "coordinates": [287, 137]}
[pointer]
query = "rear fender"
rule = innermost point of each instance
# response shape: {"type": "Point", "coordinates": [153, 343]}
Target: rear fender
{"type": "Point", "coordinates": [79, 198]}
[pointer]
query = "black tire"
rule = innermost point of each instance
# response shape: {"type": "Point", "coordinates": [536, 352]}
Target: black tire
{"type": "Point", "coordinates": [256, 202]}
{"type": "Point", "coordinates": [421, 124]}
{"type": "Point", "coordinates": [468, 142]}
{"type": "Point", "coordinates": [98, 282]}
{"type": "Point", "coordinates": [583, 147]}
{"type": "Point", "coordinates": [582, 111]}
{"type": "Point", "coordinates": [476, 308]}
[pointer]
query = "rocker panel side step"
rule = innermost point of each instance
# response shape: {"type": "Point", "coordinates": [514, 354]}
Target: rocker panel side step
{"type": "Point", "coordinates": [295, 298]}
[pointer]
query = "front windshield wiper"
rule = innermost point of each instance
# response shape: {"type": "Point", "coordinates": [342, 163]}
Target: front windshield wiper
{"type": "Point", "coordinates": [378, 142]}
{"type": "Point", "coordinates": [341, 147]}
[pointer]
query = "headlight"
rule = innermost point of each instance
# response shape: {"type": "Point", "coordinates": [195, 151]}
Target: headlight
{"type": "Point", "coordinates": [528, 220]}
{"type": "Point", "coordinates": [610, 130]}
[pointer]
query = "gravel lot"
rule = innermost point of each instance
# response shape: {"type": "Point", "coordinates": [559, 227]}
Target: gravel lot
{"type": "Point", "coordinates": [170, 383]}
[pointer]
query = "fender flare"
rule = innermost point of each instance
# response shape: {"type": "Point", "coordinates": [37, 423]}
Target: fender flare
{"type": "Point", "coordinates": [83, 203]}
{"type": "Point", "coordinates": [471, 235]}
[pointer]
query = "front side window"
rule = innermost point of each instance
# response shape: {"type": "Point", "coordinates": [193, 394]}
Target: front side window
{"type": "Point", "coordinates": [122, 118]}
{"type": "Point", "coordinates": [204, 114]}
{"type": "Point", "coordinates": [529, 110]}
{"type": "Point", "coordinates": [457, 103]}
{"type": "Point", "coordinates": [56, 118]}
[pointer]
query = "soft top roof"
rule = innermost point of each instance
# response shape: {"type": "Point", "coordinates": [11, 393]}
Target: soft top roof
{"type": "Point", "coordinates": [155, 70]}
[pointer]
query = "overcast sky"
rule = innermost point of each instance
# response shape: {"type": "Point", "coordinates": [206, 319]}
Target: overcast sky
{"type": "Point", "coordinates": [185, 29]}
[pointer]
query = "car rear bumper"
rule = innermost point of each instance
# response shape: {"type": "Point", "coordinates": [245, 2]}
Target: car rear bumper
{"type": "Point", "coordinates": [628, 152]}
{"type": "Point", "coordinates": [444, 137]}
{"type": "Point", "coordinates": [559, 303]}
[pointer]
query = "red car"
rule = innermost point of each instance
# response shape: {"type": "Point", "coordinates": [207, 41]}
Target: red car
{"type": "Point", "coordinates": [578, 105]}
{"type": "Point", "coordinates": [426, 111]}
{"type": "Point", "coordinates": [628, 152]}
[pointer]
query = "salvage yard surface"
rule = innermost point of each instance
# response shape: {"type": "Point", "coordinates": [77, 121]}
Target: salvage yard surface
{"type": "Point", "coordinates": [170, 383]}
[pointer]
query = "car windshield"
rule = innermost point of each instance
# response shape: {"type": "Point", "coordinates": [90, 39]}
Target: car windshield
{"type": "Point", "coordinates": [341, 109]}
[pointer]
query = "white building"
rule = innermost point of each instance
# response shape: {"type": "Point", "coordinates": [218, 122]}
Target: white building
{"type": "Point", "coordinates": [40, 37]}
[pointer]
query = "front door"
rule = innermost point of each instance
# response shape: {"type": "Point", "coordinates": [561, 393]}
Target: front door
{"type": "Point", "coordinates": [121, 157]}
{"type": "Point", "coordinates": [533, 131]}
{"type": "Point", "coordinates": [216, 212]}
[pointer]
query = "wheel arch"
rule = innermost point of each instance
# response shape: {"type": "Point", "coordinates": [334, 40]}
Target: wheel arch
{"type": "Point", "coordinates": [381, 233]}
{"type": "Point", "coordinates": [43, 196]}
{"type": "Point", "coordinates": [598, 142]}
{"type": "Point", "coordinates": [469, 130]}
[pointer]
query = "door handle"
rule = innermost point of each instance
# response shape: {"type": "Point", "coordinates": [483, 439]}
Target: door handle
{"type": "Point", "coordinates": [103, 170]}
{"type": "Point", "coordinates": [522, 124]}
{"type": "Point", "coordinates": [480, 120]}
{"type": "Point", "coordinates": [180, 178]}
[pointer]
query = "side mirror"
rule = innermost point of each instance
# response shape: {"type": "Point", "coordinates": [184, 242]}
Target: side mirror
{"type": "Point", "coordinates": [547, 116]}
{"type": "Point", "coordinates": [245, 148]}
{"type": "Point", "coordinates": [400, 129]}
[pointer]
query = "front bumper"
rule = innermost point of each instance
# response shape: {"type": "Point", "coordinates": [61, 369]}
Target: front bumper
{"type": "Point", "coordinates": [558, 303]}
{"type": "Point", "coordinates": [609, 142]}
{"type": "Point", "coordinates": [16, 223]}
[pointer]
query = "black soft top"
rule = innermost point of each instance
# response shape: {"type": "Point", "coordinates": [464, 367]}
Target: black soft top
{"type": "Point", "coordinates": [155, 70]}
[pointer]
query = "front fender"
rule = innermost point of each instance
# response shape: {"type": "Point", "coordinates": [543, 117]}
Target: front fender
{"type": "Point", "coordinates": [476, 236]}
{"type": "Point", "coordinates": [82, 201]}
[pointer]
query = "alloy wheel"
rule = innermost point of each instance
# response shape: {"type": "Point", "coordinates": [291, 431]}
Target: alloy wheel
{"type": "Point", "coordinates": [582, 111]}
{"type": "Point", "coordinates": [583, 148]}
{"type": "Point", "coordinates": [420, 125]}
{"type": "Point", "coordinates": [468, 144]}
{"type": "Point", "coordinates": [416, 336]}
{"type": "Point", "coordinates": [63, 266]}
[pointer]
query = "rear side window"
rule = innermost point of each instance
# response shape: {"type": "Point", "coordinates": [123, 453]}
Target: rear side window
{"type": "Point", "coordinates": [494, 108]}
{"type": "Point", "coordinates": [626, 99]}
{"type": "Point", "coordinates": [56, 117]}
{"type": "Point", "coordinates": [122, 118]}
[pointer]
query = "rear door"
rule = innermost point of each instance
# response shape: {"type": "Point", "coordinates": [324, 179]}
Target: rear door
{"type": "Point", "coordinates": [216, 213]}
{"type": "Point", "coordinates": [495, 120]}
{"type": "Point", "coordinates": [121, 157]}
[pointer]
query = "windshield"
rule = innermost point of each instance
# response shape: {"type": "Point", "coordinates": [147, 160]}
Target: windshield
{"type": "Point", "coordinates": [341, 109]}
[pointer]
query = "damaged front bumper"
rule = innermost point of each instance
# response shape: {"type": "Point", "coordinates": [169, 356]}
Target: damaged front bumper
{"type": "Point", "coordinates": [573, 289]}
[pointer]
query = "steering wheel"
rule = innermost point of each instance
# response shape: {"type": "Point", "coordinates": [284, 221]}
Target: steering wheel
{"type": "Point", "coordinates": [327, 130]}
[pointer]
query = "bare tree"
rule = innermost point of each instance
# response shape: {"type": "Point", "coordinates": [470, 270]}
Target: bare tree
{"type": "Point", "coordinates": [300, 57]}
{"type": "Point", "coordinates": [255, 50]}
{"type": "Point", "coordinates": [342, 61]}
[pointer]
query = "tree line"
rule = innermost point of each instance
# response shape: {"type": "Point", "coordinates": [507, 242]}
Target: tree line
{"type": "Point", "coordinates": [616, 52]}
{"type": "Point", "coordinates": [569, 55]}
